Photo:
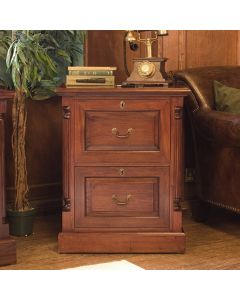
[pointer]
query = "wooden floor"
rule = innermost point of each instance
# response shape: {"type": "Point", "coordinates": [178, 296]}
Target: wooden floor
{"type": "Point", "coordinates": [213, 245]}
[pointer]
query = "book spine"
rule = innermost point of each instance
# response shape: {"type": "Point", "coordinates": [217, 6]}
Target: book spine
{"type": "Point", "coordinates": [84, 68]}
{"type": "Point", "coordinates": [90, 73]}
{"type": "Point", "coordinates": [89, 80]}
{"type": "Point", "coordinates": [88, 86]}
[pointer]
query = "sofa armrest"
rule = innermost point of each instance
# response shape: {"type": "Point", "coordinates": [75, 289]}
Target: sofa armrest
{"type": "Point", "coordinates": [218, 127]}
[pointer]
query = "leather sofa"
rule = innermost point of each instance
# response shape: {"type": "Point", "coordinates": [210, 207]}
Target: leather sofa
{"type": "Point", "coordinates": [216, 139]}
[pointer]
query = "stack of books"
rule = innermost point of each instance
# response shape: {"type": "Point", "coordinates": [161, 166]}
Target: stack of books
{"type": "Point", "coordinates": [80, 76]}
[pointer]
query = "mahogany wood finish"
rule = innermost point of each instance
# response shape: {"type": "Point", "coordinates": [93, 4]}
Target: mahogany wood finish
{"type": "Point", "coordinates": [7, 245]}
{"type": "Point", "coordinates": [105, 47]}
{"type": "Point", "coordinates": [214, 245]}
{"type": "Point", "coordinates": [122, 194]}
{"type": "Point", "coordinates": [148, 125]}
{"type": "Point", "coordinates": [143, 136]}
{"type": "Point", "coordinates": [183, 48]}
{"type": "Point", "coordinates": [108, 51]}
{"type": "Point", "coordinates": [122, 187]}
{"type": "Point", "coordinates": [220, 48]}
{"type": "Point", "coordinates": [122, 242]}
{"type": "Point", "coordinates": [135, 196]}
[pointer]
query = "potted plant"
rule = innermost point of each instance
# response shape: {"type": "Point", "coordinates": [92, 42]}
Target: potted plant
{"type": "Point", "coordinates": [34, 60]}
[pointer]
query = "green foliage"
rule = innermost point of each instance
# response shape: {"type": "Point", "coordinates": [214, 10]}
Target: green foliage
{"type": "Point", "coordinates": [35, 62]}
{"type": "Point", "coordinates": [29, 63]}
{"type": "Point", "coordinates": [68, 49]}
{"type": "Point", "coordinates": [5, 42]}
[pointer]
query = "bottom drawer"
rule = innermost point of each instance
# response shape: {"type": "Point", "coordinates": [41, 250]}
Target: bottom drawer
{"type": "Point", "coordinates": [122, 196]}
{"type": "Point", "coordinates": [118, 198]}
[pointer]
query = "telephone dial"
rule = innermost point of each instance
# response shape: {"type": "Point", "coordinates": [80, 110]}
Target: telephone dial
{"type": "Point", "coordinates": [147, 71]}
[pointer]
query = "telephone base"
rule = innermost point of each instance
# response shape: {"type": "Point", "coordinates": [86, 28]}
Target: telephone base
{"type": "Point", "coordinates": [129, 84]}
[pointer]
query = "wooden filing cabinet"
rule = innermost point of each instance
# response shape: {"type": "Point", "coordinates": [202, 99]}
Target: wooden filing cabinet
{"type": "Point", "coordinates": [122, 169]}
{"type": "Point", "coordinates": [7, 245]}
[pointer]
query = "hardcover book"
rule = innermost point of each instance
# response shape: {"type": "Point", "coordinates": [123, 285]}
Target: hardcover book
{"type": "Point", "coordinates": [77, 80]}
{"type": "Point", "coordinates": [91, 72]}
{"type": "Point", "coordinates": [91, 68]}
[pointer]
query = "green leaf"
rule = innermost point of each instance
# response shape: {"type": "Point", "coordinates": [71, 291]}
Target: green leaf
{"type": "Point", "coordinates": [38, 59]}
{"type": "Point", "coordinates": [21, 56]}
{"type": "Point", "coordinates": [9, 54]}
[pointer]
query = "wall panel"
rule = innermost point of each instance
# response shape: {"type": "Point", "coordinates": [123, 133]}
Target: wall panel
{"type": "Point", "coordinates": [105, 48]}
{"type": "Point", "coordinates": [184, 49]}
{"type": "Point", "coordinates": [211, 48]}
{"type": "Point", "coordinates": [172, 49]}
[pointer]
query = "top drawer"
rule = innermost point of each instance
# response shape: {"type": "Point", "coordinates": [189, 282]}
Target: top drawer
{"type": "Point", "coordinates": [124, 130]}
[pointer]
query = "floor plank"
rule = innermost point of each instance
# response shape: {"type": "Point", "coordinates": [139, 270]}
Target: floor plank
{"type": "Point", "coordinates": [214, 245]}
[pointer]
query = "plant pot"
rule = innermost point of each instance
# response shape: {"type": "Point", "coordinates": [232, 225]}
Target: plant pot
{"type": "Point", "coordinates": [21, 222]}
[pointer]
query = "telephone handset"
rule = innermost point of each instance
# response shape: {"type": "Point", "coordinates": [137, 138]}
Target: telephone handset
{"type": "Point", "coordinates": [147, 71]}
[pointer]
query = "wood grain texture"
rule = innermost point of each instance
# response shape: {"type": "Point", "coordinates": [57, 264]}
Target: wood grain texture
{"type": "Point", "coordinates": [7, 251]}
{"type": "Point", "coordinates": [122, 197]}
{"type": "Point", "coordinates": [177, 166]}
{"type": "Point", "coordinates": [7, 245]}
{"type": "Point", "coordinates": [214, 245]}
{"type": "Point", "coordinates": [172, 48]}
{"type": "Point", "coordinates": [105, 48]}
{"type": "Point", "coordinates": [95, 119]}
{"type": "Point", "coordinates": [121, 243]}
{"type": "Point", "coordinates": [211, 48]}
{"type": "Point", "coordinates": [238, 47]}
{"type": "Point", "coordinates": [4, 232]}
{"type": "Point", "coordinates": [183, 48]}
{"type": "Point", "coordinates": [182, 45]}
{"type": "Point", "coordinates": [118, 184]}
{"type": "Point", "coordinates": [67, 162]}
{"type": "Point", "coordinates": [133, 130]}
{"type": "Point", "coordinates": [134, 180]}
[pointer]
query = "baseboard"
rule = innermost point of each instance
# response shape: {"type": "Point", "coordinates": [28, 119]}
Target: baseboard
{"type": "Point", "coordinates": [45, 206]}
{"type": "Point", "coordinates": [124, 242]}
{"type": "Point", "coordinates": [45, 197]}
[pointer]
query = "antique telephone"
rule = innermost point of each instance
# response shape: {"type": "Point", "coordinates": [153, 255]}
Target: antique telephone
{"type": "Point", "coordinates": [149, 70]}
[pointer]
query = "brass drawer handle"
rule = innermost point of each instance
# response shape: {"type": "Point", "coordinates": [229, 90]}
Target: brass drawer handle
{"type": "Point", "coordinates": [119, 201]}
{"type": "Point", "coordinates": [122, 136]}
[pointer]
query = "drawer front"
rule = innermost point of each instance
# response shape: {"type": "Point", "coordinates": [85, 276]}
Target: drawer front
{"type": "Point", "coordinates": [139, 132]}
{"type": "Point", "coordinates": [120, 198]}
{"type": "Point", "coordinates": [135, 131]}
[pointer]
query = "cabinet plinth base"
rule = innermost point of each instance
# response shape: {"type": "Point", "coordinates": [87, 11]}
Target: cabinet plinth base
{"type": "Point", "coordinates": [7, 252]}
{"type": "Point", "coordinates": [151, 242]}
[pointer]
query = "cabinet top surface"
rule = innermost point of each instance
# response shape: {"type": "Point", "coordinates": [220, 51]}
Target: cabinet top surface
{"type": "Point", "coordinates": [158, 91]}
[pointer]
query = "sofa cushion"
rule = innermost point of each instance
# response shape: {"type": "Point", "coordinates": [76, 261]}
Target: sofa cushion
{"type": "Point", "coordinates": [226, 98]}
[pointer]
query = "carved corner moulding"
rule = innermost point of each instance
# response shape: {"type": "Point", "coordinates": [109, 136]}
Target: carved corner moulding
{"type": "Point", "coordinates": [66, 205]}
{"type": "Point", "coordinates": [66, 112]}
{"type": "Point", "coordinates": [178, 112]}
{"type": "Point", "coordinates": [177, 204]}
